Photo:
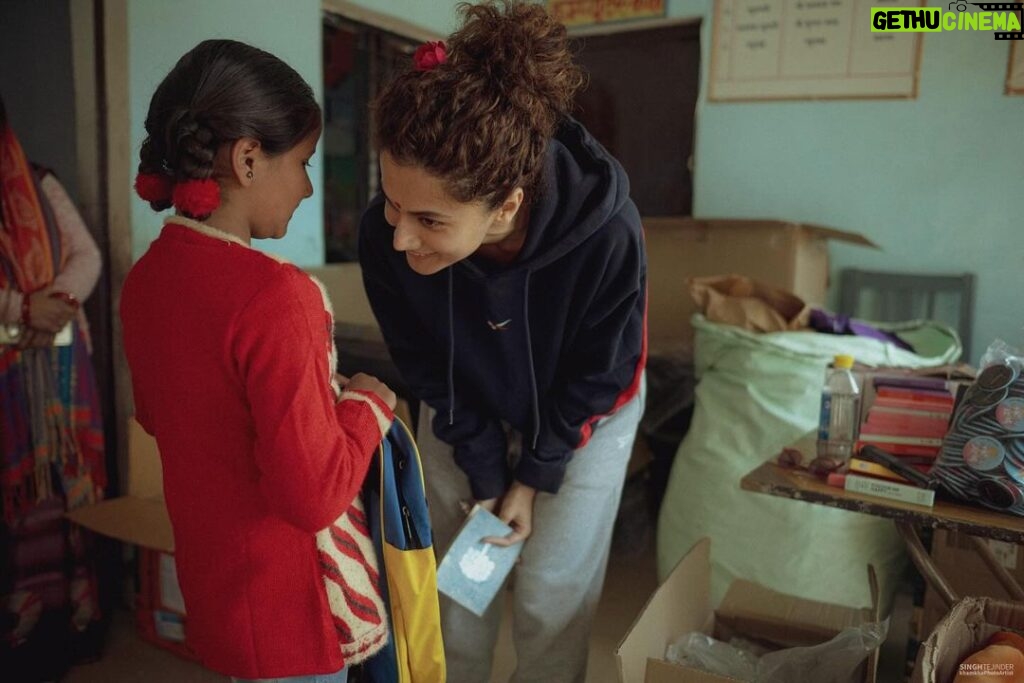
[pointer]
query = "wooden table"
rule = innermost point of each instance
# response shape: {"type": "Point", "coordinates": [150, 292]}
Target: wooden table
{"type": "Point", "coordinates": [978, 523]}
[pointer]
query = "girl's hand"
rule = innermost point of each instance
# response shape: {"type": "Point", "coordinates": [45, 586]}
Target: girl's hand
{"type": "Point", "coordinates": [48, 313]}
{"type": "Point", "coordinates": [517, 512]}
{"type": "Point", "coordinates": [361, 382]}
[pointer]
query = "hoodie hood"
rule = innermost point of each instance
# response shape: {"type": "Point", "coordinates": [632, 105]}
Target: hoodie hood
{"type": "Point", "coordinates": [580, 189]}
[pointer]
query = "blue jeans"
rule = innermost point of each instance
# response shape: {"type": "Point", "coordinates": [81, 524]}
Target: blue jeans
{"type": "Point", "coordinates": [339, 677]}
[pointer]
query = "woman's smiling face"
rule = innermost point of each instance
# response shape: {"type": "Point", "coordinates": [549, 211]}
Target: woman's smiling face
{"type": "Point", "coordinates": [432, 228]}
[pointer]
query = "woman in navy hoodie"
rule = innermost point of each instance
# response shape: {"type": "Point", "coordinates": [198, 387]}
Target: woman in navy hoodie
{"type": "Point", "coordinates": [504, 261]}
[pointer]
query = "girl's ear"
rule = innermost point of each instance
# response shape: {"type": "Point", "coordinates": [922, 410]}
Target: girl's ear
{"type": "Point", "coordinates": [244, 154]}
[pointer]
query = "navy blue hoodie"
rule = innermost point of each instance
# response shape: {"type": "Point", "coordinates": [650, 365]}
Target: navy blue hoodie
{"type": "Point", "coordinates": [549, 343]}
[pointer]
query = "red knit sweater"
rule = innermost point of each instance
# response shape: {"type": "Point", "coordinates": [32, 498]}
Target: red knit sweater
{"type": "Point", "coordinates": [228, 351]}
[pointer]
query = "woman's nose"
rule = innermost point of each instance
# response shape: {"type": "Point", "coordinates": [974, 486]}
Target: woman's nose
{"type": "Point", "coordinates": [405, 238]}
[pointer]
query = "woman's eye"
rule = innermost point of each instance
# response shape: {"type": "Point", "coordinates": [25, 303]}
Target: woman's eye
{"type": "Point", "coordinates": [307, 164]}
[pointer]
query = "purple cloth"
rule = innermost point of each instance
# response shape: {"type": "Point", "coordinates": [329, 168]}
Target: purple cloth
{"type": "Point", "coordinates": [835, 323]}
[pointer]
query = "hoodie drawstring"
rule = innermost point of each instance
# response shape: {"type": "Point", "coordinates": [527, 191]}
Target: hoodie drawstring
{"type": "Point", "coordinates": [451, 350]}
{"type": "Point", "coordinates": [529, 356]}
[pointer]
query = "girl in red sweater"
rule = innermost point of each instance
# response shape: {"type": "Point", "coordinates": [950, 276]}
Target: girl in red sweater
{"type": "Point", "coordinates": [264, 448]}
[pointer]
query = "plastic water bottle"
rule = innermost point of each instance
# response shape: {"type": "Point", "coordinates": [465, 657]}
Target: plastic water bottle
{"type": "Point", "coordinates": [840, 411]}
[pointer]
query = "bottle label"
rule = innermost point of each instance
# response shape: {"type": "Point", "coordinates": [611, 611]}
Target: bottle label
{"type": "Point", "coordinates": [825, 419]}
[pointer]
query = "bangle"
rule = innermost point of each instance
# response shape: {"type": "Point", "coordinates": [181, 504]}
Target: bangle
{"type": "Point", "coordinates": [67, 298]}
{"type": "Point", "coordinates": [26, 309]}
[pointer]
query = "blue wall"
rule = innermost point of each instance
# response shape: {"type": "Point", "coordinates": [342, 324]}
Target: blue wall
{"type": "Point", "coordinates": [160, 32]}
{"type": "Point", "coordinates": [436, 15]}
{"type": "Point", "coordinates": [935, 181]}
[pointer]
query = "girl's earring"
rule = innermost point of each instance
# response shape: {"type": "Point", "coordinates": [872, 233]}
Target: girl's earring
{"type": "Point", "coordinates": [248, 174]}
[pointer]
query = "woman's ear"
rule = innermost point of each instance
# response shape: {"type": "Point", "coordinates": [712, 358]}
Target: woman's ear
{"type": "Point", "coordinates": [244, 155]}
{"type": "Point", "coordinates": [508, 208]}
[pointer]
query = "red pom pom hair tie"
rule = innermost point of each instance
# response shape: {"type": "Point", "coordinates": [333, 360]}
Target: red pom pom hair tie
{"type": "Point", "coordinates": [196, 198]}
{"type": "Point", "coordinates": [429, 55]}
{"type": "Point", "coordinates": [153, 187]}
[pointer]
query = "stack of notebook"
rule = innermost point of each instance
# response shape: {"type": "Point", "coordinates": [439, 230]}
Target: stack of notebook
{"type": "Point", "coordinates": [906, 417]}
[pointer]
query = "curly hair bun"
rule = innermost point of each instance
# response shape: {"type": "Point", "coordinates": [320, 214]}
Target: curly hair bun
{"type": "Point", "coordinates": [519, 49]}
{"type": "Point", "coordinates": [483, 117]}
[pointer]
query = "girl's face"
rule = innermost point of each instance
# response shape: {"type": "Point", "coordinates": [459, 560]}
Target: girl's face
{"type": "Point", "coordinates": [281, 183]}
{"type": "Point", "coordinates": [431, 227]}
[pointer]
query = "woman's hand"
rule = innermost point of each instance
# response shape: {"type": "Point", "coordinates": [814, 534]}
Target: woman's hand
{"type": "Point", "coordinates": [361, 382]}
{"type": "Point", "coordinates": [35, 339]}
{"type": "Point", "coordinates": [48, 313]}
{"type": "Point", "coordinates": [517, 512]}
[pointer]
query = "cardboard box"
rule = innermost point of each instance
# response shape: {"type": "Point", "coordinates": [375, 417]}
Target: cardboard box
{"type": "Point", "coordinates": [344, 285]}
{"type": "Point", "coordinates": [790, 256]}
{"type": "Point", "coordinates": [967, 573]}
{"type": "Point", "coordinates": [963, 631]}
{"type": "Point", "coordinates": [140, 516]}
{"type": "Point", "coordinates": [682, 604]}
{"type": "Point", "coordinates": [159, 606]}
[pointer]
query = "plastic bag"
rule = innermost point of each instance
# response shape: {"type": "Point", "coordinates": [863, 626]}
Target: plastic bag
{"type": "Point", "coordinates": [982, 458]}
{"type": "Point", "coordinates": [839, 660]}
{"type": "Point", "coordinates": [703, 652]}
{"type": "Point", "coordinates": [999, 352]}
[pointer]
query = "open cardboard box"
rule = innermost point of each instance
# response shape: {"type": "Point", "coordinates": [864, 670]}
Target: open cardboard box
{"type": "Point", "coordinates": [682, 604]}
{"type": "Point", "coordinates": [790, 256]}
{"type": "Point", "coordinates": [963, 631]}
{"type": "Point", "coordinates": [140, 517]}
{"type": "Point", "coordinates": [965, 570]}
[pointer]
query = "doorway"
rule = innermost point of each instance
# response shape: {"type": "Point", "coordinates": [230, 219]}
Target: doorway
{"type": "Point", "coordinates": [640, 103]}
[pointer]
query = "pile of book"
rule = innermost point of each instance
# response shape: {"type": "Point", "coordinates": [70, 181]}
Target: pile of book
{"type": "Point", "coordinates": [907, 417]}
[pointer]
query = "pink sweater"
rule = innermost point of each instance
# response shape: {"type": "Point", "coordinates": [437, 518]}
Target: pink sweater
{"type": "Point", "coordinates": [82, 271]}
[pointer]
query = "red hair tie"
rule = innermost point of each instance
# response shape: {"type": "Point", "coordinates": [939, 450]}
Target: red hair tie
{"type": "Point", "coordinates": [153, 187]}
{"type": "Point", "coordinates": [429, 55]}
{"type": "Point", "coordinates": [196, 197]}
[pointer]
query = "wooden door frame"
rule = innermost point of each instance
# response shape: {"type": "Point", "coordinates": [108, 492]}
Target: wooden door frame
{"type": "Point", "coordinates": [99, 37]}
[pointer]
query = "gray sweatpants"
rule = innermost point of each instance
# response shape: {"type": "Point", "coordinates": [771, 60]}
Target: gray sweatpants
{"type": "Point", "coordinates": [558, 580]}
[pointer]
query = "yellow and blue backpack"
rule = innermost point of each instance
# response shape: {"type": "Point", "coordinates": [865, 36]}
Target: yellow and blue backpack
{"type": "Point", "coordinates": [396, 509]}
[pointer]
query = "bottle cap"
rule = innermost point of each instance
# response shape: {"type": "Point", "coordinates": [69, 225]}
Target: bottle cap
{"type": "Point", "coordinates": [843, 361]}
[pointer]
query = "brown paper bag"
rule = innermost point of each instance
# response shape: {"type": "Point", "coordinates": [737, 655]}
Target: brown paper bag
{"type": "Point", "coordinates": [751, 305]}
